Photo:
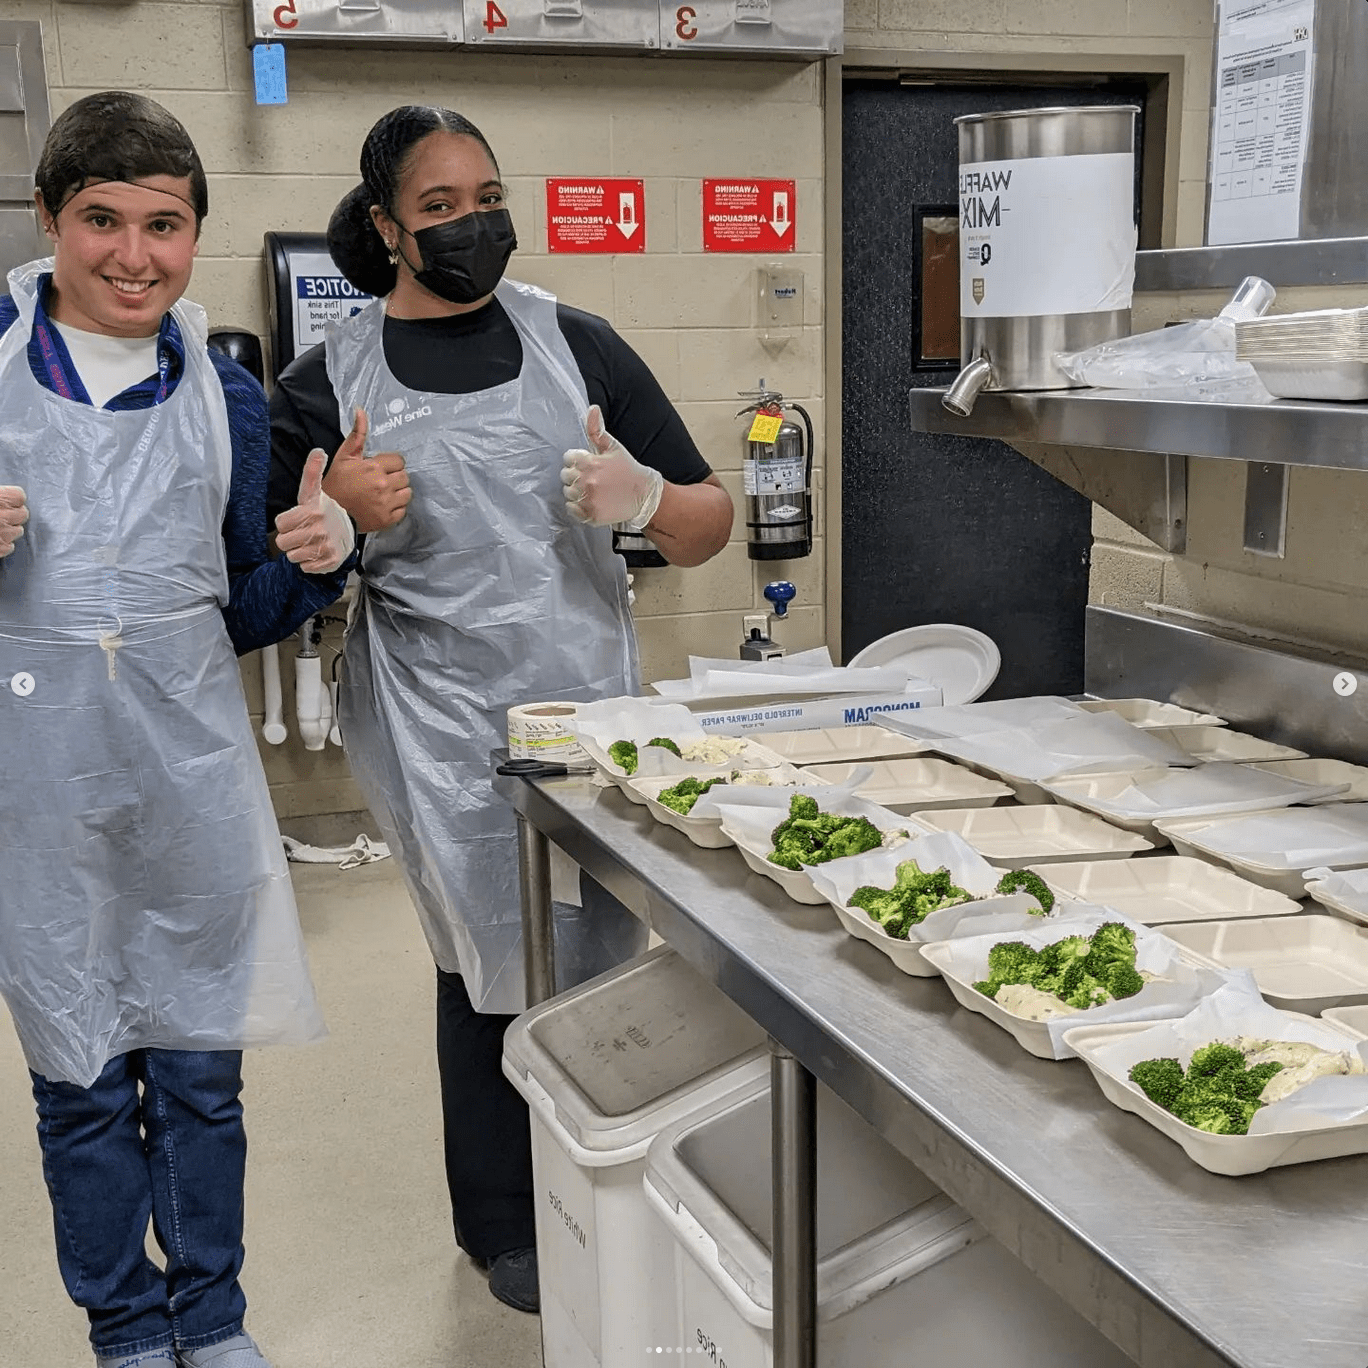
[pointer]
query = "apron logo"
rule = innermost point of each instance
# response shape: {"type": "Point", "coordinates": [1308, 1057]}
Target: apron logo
{"type": "Point", "coordinates": [400, 416]}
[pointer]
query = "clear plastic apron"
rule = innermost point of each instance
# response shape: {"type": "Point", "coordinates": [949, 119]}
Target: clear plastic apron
{"type": "Point", "coordinates": [486, 595]}
{"type": "Point", "coordinates": [144, 894]}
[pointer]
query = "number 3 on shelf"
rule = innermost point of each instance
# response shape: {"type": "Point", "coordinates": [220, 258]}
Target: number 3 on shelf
{"type": "Point", "coordinates": [684, 28]}
{"type": "Point", "coordinates": [494, 18]}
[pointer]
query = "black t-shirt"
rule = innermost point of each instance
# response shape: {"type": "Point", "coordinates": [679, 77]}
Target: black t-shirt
{"type": "Point", "coordinates": [474, 351]}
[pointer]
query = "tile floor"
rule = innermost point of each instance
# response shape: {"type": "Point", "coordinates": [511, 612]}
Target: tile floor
{"type": "Point", "coordinates": [350, 1258]}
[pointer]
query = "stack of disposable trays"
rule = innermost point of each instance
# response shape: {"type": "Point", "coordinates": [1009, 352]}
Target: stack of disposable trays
{"type": "Point", "coordinates": [1319, 354]}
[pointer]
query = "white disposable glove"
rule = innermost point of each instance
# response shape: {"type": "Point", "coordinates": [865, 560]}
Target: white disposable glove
{"type": "Point", "coordinates": [317, 535]}
{"type": "Point", "coordinates": [608, 485]}
{"type": "Point", "coordinates": [13, 516]}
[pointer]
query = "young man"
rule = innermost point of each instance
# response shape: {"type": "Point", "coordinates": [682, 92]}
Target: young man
{"type": "Point", "coordinates": [147, 928]}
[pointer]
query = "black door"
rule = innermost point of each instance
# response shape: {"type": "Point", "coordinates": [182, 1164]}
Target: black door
{"type": "Point", "coordinates": [941, 529]}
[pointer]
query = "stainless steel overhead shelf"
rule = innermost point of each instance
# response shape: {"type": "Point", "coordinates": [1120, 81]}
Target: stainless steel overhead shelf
{"type": "Point", "coordinates": [1325, 261]}
{"type": "Point", "coordinates": [1285, 432]}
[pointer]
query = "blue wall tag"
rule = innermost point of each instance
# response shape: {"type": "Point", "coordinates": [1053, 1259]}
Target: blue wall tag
{"type": "Point", "coordinates": [268, 66]}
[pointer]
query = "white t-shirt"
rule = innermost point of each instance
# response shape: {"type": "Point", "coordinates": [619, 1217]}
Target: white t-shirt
{"type": "Point", "coordinates": [109, 365]}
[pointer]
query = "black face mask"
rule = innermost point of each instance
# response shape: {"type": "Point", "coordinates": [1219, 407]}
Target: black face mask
{"type": "Point", "coordinates": [464, 259]}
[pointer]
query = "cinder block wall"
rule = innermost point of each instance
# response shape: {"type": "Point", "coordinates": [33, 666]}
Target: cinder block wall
{"type": "Point", "coordinates": [690, 314]}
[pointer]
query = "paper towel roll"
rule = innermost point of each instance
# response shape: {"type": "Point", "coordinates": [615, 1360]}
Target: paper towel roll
{"type": "Point", "coordinates": [537, 731]}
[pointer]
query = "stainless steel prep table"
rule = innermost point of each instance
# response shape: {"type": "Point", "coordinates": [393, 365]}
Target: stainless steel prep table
{"type": "Point", "coordinates": [1177, 1266]}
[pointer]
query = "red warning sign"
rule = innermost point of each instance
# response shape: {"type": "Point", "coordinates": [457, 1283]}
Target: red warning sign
{"type": "Point", "coordinates": [586, 214]}
{"type": "Point", "coordinates": [748, 215]}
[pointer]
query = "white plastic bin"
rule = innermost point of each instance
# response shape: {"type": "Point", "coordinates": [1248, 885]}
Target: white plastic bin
{"type": "Point", "coordinates": [904, 1275]}
{"type": "Point", "coordinates": [603, 1069]}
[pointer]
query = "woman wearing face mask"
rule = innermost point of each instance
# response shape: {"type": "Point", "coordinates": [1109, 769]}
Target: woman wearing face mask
{"type": "Point", "coordinates": [487, 488]}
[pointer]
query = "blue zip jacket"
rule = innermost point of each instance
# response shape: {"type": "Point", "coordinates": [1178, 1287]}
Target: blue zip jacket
{"type": "Point", "coordinates": [267, 599]}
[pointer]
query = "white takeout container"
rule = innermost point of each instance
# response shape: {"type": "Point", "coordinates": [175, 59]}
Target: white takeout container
{"type": "Point", "coordinates": [822, 745]}
{"type": "Point", "coordinates": [990, 912]}
{"type": "Point", "coordinates": [1222, 745]}
{"type": "Point", "coordinates": [1276, 847]}
{"type": "Point", "coordinates": [962, 963]}
{"type": "Point", "coordinates": [1018, 837]}
{"type": "Point", "coordinates": [918, 783]}
{"type": "Point", "coordinates": [1301, 964]}
{"type": "Point", "coordinates": [1344, 891]}
{"type": "Point", "coordinates": [1167, 888]}
{"type": "Point", "coordinates": [1135, 801]}
{"type": "Point", "coordinates": [1029, 756]}
{"type": "Point", "coordinates": [1322, 772]}
{"type": "Point", "coordinates": [1280, 1133]}
{"type": "Point", "coordinates": [1147, 713]}
{"type": "Point", "coordinates": [749, 829]}
{"type": "Point", "coordinates": [705, 829]}
{"type": "Point", "coordinates": [970, 719]}
{"type": "Point", "coordinates": [657, 762]}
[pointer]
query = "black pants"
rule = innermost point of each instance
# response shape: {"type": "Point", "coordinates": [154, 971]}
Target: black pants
{"type": "Point", "coordinates": [488, 1140]}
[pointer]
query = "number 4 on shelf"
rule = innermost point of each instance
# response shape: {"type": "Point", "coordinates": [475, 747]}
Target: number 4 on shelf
{"type": "Point", "coordinates": [494, 17]}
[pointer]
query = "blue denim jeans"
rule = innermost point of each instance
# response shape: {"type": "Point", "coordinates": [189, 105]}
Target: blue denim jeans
{"type": "Point", "coordinates": [157, 1137]}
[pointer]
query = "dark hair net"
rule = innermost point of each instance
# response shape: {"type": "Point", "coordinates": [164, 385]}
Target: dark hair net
{"type": "Point", "coordinates": [116, 136]}
{"type": "Point", "coordinates": [354, 243]}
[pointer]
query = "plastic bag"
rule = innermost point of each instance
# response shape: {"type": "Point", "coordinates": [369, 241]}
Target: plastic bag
{"type": "Point", "coordinates": [1197, 355]}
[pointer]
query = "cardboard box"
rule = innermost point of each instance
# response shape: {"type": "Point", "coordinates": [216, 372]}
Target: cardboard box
{"type": "Point", "coordinates": [738, 716]}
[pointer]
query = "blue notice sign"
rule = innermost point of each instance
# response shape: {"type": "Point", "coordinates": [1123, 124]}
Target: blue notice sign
{"type": "Point", "coordinates": [268, 68]}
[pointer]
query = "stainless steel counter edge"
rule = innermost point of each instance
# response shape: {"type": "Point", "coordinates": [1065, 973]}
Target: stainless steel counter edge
{"type": "Point", "coordinates": [1172, 1263]}
{"type": "Point", "coordinates": [1288, 431]}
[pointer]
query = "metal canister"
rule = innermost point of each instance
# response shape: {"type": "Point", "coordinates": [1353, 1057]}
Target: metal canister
{"type": "Point", "coordinates": [1047, 242]}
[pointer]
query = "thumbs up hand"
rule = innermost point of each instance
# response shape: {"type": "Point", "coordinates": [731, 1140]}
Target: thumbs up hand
{"type": "Point", "coordinates": [13, 516]}
{"type": "Point", "coordinates": [374, 490]}
{"type": "Point", "coordinates": [317, 535]}
{"type": "Point", "coordinates": [607, 484]}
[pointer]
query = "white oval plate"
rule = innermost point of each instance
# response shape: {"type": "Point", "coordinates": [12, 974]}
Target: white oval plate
{"type": "Point", "coordinates": [961, 662]}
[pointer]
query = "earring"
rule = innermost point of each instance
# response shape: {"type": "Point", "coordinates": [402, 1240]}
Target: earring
{"type": "Point", "coordinates": [393, 255]}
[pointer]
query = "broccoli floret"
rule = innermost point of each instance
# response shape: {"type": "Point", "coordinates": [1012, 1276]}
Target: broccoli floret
{"type": "Point", "coordinates": [1161, 1080]}
{"type": "Point", "coordinates": [1217, 1093]}
{"type": "Point", "coordinates": [1123, 980]}
{"type": "Point", "coordinates": [686, 793]}
{"type": "Point", "coordinates": [664, 743]}
{"type": "Point", "coordinates": [913, 897]}
{"type": "Point", "coordinates": [1007, 959]}
{"type": "Point", "coordinates": [1257, 1079]}
{"type": "Point", "coordinates": [624, 754]}
{"type": "Point", "coordinates": [810, 836]}
{"type": "Point", "coordinates": [1111, 944]}
{"type": "Point", "coordinates": [1213, 1059]}
{"type": "Point", "coordinates": [1212, 1117]}
{"type": "Point", "coordinates": [1064, 968]}
{"type": "Point", "coordinates": [1027, 881]}
{"type": "Point", "coordinates": [1076, 986]}
{"type": "Point", "coordinates": [855, 837]}
{"type": "Point", "coordinates": [884, 905]}
{"type": "Point", "coordinates": [1056, 957]}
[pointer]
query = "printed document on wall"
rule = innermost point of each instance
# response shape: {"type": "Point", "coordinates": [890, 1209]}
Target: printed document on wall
{"type": "Point", "coordinates": [1261, 118]}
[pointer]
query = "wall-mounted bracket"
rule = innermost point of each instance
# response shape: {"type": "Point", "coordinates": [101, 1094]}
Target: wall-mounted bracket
{"type": "Point", "coordinates": [1146, 490]}
{"type": "Point", "coordinates": [1265, 516]}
